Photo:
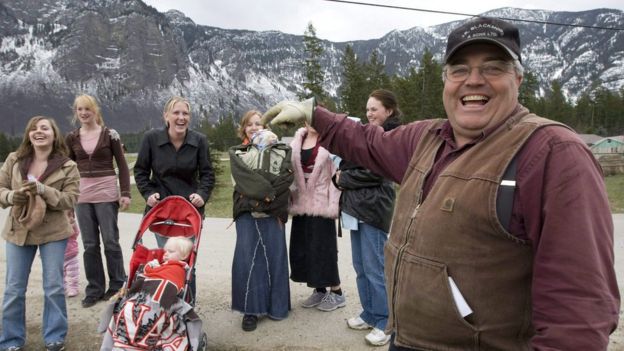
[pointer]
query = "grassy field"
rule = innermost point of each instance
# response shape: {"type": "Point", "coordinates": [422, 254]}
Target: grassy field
{"type": "Point", "coordinates": [220, 204]}
{"type": "Point", "coordinates": [615, 188]}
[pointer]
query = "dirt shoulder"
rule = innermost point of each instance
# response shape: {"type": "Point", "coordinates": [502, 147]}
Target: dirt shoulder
{"type": "Point", "coordinates": [304, 329]}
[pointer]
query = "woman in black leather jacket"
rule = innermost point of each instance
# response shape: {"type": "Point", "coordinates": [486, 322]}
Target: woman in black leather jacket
{"type": "Point", "coordinates": [366, 205]}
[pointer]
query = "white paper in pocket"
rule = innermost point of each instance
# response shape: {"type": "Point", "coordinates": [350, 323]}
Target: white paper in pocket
{"type": "Point", "coordinates": [460, 302]}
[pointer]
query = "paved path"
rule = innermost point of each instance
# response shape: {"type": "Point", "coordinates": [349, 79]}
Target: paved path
{"type": "Point", "coordinates": [304, 329]}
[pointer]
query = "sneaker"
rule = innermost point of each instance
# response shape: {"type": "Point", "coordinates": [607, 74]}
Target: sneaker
{"type": "Point", "coordinates": [358, 323]}
{"type": "Point", "coordinates": [250, 322]}
{"type": "Point", "coordinates": [89, 301]}
{"type": "Point", "coordinates": [314, 299]}
{"type": "Point", "coordinates": [332, 301]}
{"type": "Point", "coordinates": [109, 293]}
{"type": "Point", "coordinates": [55, 346]}
{"type": "Point", "coordinates": [14, 348]}
{"type": "Point", "coordinates": [377, 337]}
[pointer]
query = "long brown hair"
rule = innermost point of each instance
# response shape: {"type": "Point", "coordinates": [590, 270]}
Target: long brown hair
{"type": "Point", "coordinates": [26, 150]}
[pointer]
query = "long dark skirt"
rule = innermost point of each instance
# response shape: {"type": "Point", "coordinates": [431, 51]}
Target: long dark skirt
{"type": "Point", "coordinates": [314, 251]}
{"type": "Point", "coordinates": [260, 268]}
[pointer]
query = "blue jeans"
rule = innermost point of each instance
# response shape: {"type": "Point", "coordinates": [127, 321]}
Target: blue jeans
{"type": "Point", "coordinates": [19, 261]}
{"type": "Point", "coordinates": [97, 219]}
{"type": "Point", "coordinates": [367, 245]}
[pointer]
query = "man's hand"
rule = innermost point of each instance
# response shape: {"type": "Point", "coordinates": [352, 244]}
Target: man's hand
{"type": "Point", "coordinates": [290, 112]}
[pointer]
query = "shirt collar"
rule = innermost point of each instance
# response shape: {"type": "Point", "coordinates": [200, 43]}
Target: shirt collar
{"type": "Point", "coordinates": [191, 138]}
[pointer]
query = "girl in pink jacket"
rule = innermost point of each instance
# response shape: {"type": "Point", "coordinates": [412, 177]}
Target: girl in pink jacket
{"type": "Point", "coordinates": [314, 206]}
{"type": "Point", "coordinates": [71, 267]}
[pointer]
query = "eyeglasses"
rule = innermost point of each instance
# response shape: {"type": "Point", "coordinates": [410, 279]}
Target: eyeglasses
{"type": "Point", "coordinates": [488, 70]}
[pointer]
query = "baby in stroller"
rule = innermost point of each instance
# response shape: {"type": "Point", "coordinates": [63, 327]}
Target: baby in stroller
{"type": "Point", "coordinates": [153, 314]}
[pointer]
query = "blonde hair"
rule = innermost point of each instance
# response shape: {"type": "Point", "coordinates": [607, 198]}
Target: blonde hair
{"type": "Point", "coordinates": [243, 122]}
{"type": "Point", "coordinates": [174, 100]}
{"type": "Point", "coordinates": [91, 103]}
{"type": "Point", "coordinates": [181, 244]}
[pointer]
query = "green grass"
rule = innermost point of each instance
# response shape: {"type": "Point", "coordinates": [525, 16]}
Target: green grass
{"type": "Point", "coordinates": [219, 204]}
{"type": "Point", "coordinates": [615, 189]}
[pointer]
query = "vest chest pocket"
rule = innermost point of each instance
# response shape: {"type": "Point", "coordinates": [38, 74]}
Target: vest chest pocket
{"type": "Point", "coordinates": [425, 312]}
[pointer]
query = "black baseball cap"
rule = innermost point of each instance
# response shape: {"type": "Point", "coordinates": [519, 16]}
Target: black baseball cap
{"type": "Point", "coordinates": [488, 30]}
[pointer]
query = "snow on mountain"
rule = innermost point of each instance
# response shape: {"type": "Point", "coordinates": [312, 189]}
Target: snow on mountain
{"type": "Point", "coordinates": [133, 58]}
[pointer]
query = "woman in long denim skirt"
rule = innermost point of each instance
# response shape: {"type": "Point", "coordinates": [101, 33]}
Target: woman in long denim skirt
{"type": "Point", "coordinates": [262, 173]}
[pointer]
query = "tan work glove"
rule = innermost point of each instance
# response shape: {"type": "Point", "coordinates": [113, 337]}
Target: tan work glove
{"type": "Point", "coordinates": [290, 112]}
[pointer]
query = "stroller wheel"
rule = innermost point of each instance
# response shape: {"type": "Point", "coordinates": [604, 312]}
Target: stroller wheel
{"type": "Point", "coordinates": [203, 343]}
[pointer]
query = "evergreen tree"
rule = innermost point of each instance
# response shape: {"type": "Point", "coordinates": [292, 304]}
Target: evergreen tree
{"type": "Point", "coordinates": [352, 92]}
{"type": "Point", "coordinates": [314, 76]}
{"type": "Point", "coordinates": [408, 95]}
{"type": "Point", "coordinates": [375, 72]}
{"type": "Point", "coordinates": [420, 92]}
{"type": "Point", "coordinates": [5, 147]}
{"type": "Point", "coordinates": [432, 86]}
{"type": "Point", "coordinates": [223, 134]}
{"type": "Point", "coordinates": [529, 91]}
{"type": "Point", "coordinates": [608, 112]}
{"type": "Point", "coordinates": [556, 105]}
{"type": "Point", "coordinates": [584, 114]}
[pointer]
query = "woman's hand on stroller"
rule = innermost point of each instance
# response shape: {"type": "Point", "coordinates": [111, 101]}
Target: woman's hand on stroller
{"type": "Point", "coordinates": [196, 200]}
{"type": "Point", "coordinates": [153, 199]}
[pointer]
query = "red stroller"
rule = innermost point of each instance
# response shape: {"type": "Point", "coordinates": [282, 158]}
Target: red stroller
{"type": "Point", "coordinates": [149, 316]}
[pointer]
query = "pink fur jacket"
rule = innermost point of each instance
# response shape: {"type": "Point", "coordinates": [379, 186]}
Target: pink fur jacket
{"type": "Point", "coordinates": [319, 196]}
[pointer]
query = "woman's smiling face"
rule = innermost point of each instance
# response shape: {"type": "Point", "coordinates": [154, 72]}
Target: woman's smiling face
{"type": "Point", "coordinates": [376, 113]}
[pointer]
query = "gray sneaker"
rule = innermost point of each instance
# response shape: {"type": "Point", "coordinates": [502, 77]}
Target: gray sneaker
{"type": "Point", "coordinates": [55, 346]}
{"type": "Point", "coordinates": [314, 299]}
{"type": "Point", "coordinates": [332, 301]}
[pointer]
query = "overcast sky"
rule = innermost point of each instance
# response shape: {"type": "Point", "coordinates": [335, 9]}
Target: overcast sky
{"type": "Point", "coordinates": [343, 22]}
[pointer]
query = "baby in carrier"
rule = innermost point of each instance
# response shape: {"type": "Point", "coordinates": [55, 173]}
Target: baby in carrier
{"type": "Point", "coordinates": [253, 155]}
{"type": "Point", "coordinates": [268, 159]}
{"type": "Point", "coordinates": [153, 315]}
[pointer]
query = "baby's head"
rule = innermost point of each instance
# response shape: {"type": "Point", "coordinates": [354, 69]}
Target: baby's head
{"type": "Point", "coordinates": [177, 248]}
{"type": "Point", "coordinates": [263, 138]}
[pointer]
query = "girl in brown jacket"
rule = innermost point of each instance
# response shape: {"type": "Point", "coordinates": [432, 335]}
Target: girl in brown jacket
{"type": "Point", "coordinates": [41, 180]}
{"type": "Point", "coordinates": [94, 146]}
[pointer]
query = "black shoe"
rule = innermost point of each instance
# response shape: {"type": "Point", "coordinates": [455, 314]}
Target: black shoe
{"type": "Point", "coordinates": [108, 294]}
{"type": "Point", "coordinates": [55, 346]}
{"type": "Point", "coordinates": [249, 322]}
{"type": "Point", "coordinates": [89, 301]}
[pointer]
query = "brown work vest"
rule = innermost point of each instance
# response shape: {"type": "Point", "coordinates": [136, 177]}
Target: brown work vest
{"type": "Point", "coordinates": [456, 233]}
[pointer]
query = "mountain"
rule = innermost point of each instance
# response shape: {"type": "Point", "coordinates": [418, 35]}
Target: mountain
{"type": "Point", "coordinates": [133, 58]}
